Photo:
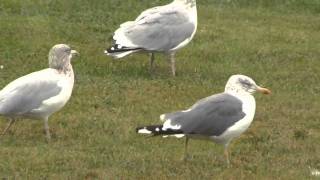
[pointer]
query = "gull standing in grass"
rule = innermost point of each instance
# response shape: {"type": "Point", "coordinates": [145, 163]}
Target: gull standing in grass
{"type": "Point", "coordinates": [219, 118]}
{"type": "Point", "coordinates": [39, 94]}
{"type": "Point", "coordinates": [163, 29]}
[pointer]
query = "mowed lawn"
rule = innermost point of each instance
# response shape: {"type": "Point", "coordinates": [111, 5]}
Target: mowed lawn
{"type": "Point", "coordinates": [277, 43]}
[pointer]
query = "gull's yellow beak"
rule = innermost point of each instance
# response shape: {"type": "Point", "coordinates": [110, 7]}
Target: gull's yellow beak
{"type": "Point", "coordinates": [74, 52]}
{"type": "Point", "coordinates": [263, 90]}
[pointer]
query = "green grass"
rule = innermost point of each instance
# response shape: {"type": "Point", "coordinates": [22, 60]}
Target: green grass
{"type": "Point", "coordinates": [275, 42]}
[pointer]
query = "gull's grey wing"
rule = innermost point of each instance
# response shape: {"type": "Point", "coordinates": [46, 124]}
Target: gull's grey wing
{"type": "Point", "coordinates": [160, 30]}
{"type": "Point", "coordinates": [26, 94]}
{"type": "Point", "coordinates": [210, 116]}
{"type": "Point", "coordinates": [151, 11]}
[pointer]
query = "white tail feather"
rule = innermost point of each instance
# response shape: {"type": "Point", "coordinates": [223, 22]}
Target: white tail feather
{"type": "Point", "coordinates": [144, 131]}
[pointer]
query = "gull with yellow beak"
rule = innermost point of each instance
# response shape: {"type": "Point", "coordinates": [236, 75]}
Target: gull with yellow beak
{"type": "Point", "coordinates": [219, 118]}
{"type": "Point", "coordinates": [40, 94]}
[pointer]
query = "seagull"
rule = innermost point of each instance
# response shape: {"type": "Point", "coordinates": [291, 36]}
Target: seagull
{"type": "Point", "coordinates": [219, 118]}
{"type": "Point", "coordinates": [40, 94]}
{"type": "Point", "coordinates": [163, 29]}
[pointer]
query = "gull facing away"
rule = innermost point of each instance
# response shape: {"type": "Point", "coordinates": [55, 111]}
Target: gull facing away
{"type": "Point", "coordinates": [163, 29]}
{"type": "Point", "coordinates": [40, 94]}
{"type": "Point", "coordinates": [219, 118]}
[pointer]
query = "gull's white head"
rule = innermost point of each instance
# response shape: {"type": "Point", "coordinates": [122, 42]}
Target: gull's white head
{"type": "Point", "coordinates": [60, 56]}
{"type": "Point", "coordinates": [241, 84]}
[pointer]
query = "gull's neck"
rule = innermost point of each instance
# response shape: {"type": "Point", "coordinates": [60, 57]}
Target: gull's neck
{"type": "Point", "coordinates": [236, 91]}
{"type": "Point", "coordinates": [67, 69]}
{"type": "Point", "coordinates": [191, 7]}
{"type": "Point", "coordinates": [62, 66]}
{"type": "Point", "coordinates": [191, 3]}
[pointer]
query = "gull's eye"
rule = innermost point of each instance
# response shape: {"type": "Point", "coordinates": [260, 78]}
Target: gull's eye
{"type": "Point", "coordinates": [246, 83]}
{"type": "Point", "coordinates": [67, 50]}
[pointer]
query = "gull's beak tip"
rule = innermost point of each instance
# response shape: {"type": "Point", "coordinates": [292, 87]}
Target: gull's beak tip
{"type": "Point", "coordinates": [74, 52]}
{"type": "Point", "coordinates": [264, 91]}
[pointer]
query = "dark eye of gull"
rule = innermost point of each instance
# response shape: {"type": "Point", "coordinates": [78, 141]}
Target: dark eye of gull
{"type": "Point", "coordinates": [67, 50]}
{"type": "Point", "coordinates": [246, 83]}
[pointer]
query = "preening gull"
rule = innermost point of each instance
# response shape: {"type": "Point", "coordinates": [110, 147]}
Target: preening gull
{"type": "Point", "coordinates": [39, 94]}
{"type": "Point", "coordinates": [163, 29]}
{"type": "Point", "coordinates": [220, 117]}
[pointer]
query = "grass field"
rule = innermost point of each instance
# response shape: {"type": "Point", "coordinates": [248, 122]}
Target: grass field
{"type": "Point", "coordinates": [275, 42]}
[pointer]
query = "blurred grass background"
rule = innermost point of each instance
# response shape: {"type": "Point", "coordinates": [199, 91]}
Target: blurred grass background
{"type": "Point", "coordinates": [276, 42]}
